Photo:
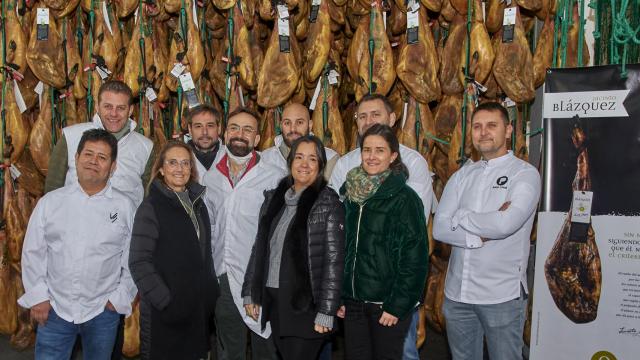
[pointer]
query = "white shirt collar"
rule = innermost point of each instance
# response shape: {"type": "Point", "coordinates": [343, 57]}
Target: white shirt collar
{"type": "Point", "coordinates": [498, 161]}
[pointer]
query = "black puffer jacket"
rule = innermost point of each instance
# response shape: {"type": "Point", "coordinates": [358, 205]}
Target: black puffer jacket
{"type": "Point", "coordinates": [173, 270]}
{"type": "Point", "coordinates": [315, 241]}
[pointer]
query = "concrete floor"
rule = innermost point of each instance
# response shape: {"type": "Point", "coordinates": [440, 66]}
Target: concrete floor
{"type": "Point", "coordinates": [435, 348]}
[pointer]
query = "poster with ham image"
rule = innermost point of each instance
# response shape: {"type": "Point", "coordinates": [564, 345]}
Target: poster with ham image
{"type": "Point", "coordinates": [586, 297]}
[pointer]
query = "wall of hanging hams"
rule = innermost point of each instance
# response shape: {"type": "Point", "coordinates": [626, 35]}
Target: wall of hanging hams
{"type": "Point", "coordinates": [435, 60]}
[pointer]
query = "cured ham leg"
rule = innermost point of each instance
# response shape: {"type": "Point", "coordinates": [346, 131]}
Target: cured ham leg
{"type": "Point", "coordinates": [573, 270]}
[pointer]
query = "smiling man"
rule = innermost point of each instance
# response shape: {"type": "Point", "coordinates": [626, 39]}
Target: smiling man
{"type": "Point", "coordinates": [134, 156]}
{"type": "Point", "coordinates": [204, 128]}
{"type": "Point", "coordinates": [295, 123]}
{"type": "Point", "coordinates": [74, 262]}
{"type": "Point", "coordinates": [235, 189]}
{"type": "Point", "coordinates": [486, 214]}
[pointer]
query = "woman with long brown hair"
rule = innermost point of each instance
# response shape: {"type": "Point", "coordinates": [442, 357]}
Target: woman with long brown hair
{"type": "Point", "coordinates": [170, 260]}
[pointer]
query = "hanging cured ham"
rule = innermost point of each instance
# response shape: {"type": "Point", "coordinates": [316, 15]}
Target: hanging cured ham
{"type": "Point", "coordinates": [543, 56]}
{"type": "Point", "coordinates": [331, 131]}
{"type": "Point", "coordinates": [139, 62]}
{"type": "Point", "coordinates": [8, 296]}
{"type": "Point", "coordinates": [44, 56]}
{"type": "Point", "coordinates": [572, 44]}
{"type": "Point", "coordinates": [418, 63]}
{"type": "Point", "coordinates": [318, 44]}
{"type": "Point", "coordinates": [16, 41]}
{"type": "Point", "coordinates": [268, 128]}
{"type": "Point", "coordinates": [573, 270]}
{"type": "Point", "coordinates": [513, 67]}
{"type": "Point", "coordinates": [494, 15]}
{"type": "Point", "coordinates": [185, 49]}
{"type": "Point", "coordinates": [280, 72]}
{"type": "Point", "coordinates": [17, 128]}
{"type": "Point", "coordinates": [481, 53]}
{"type": "Point", "coordinates": [376, 71]}
{"type": "Point", "coordinates": [418, 127]}
{"type": "Point", "coordinates": [40, 137]}
{"type": "Point", "coordinates": [451, 56]}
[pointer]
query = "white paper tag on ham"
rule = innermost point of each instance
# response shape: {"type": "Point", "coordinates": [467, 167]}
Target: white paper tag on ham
{"type": "Point", "coordinates": [38, 90]}
{"type": "Point", "coordinates": [283, 11]}
{"type": "Point", "coordinates": [105, 13]}
{"type": "Point", "coordinates": [581, 206]}
{"type": "Point", "coordinates": [509, 16]}
{"type": "Point", "coordinates": [404, 114]}
{"type": "Point", "coordinates": [177, 70]}
{"type": "Point", "coordinates": [150, 94]}
{"type": "Point", "coordinates": [316, 93]}
{"type": "Point", "coordinates": [195, 14]}
{"type": "Point", "coordinates": [15, 173]}
{"type": "Point", "coordinates": [42, 17]}
{"type": "Point", "coordinates": [283, 27]}
{"type": "Point", "coordinates": [187, 82]}
{"type": "Point", "coordinates": [19, 99]}
{"type": "Point", "coordinates": [333, 77]}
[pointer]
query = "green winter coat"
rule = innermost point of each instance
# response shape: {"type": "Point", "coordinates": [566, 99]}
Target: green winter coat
{"type": "Point", "coordinates": [386, 257]}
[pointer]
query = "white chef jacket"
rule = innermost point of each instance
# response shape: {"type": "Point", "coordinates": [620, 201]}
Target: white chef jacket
{"type": "Point", "coordinates": [202, 170]}
{"type": "Point", "coordinates": [134, 150]}
{"type": "Point", "coordinates": [273, 155]}
{"type": "Point", "coordinates": [488, 272]}
{"type": "Point", "coordinates": [76, 253]}
{"type": "Point", "coordinates": [419, 175]}
{"type": "Point", "coordinates": [235, 224]}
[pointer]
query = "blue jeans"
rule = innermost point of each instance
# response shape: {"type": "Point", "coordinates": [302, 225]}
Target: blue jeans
{"type": "Point", "coordinates": [502, 325]}
{"type": "Point", "coordinates": [55, 340]}
{"type": "Point", "coordinates": [410, 351]}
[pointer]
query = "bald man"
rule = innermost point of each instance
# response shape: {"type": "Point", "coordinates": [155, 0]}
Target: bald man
{"type": "Point", "coordinates": [296, 122]}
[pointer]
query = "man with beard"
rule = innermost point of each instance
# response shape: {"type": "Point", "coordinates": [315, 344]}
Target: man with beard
{"type": "Point", "coordinates": [295, 123]}
{"type": "Point", "coordinates": [486, 214]}
{"type": "Point", "coordinates": [235, 190]}
{"type": "Point", "coordinates": [134, 150]}
{"type": "Point", "coordinates": [204, 128]}
{"type": "Point", "coordinates": [376, 109]}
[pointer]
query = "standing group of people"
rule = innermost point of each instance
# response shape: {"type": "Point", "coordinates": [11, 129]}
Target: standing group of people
{"type": "Point", "coordinates": [268, 248]}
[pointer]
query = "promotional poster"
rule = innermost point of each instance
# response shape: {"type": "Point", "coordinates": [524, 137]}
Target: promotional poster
{"type": "Point", "coordinates": [586, 298]}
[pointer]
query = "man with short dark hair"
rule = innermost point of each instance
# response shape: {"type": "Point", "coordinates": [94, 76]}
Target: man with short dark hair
{"type": "Point", "coordinates": [235, 191]}
{"type": "Point", "coordinates": [204, 129]}
{"type": "Point", "coordinates": [295, 123]}
{"type": "Point", "coordinates": [74, 260]}
{"type": "Point", "coordinates": [486, 214]}
{"type": "Point", "coordinates": [112, 114]}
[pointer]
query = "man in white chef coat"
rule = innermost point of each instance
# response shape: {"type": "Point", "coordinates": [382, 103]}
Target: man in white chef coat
{"type": "Point", "coordinates": [75, 256]}
{"type": "Point", "coordinates": [296, 122]}
{"type": "Point", "coordinates": [376, 109]}
{"type": "Point", "coordinates": [136, 155]}
{"type": "Point", "coordinates": [486, 213]}
{"type": "Point", "coordinates": [235, 192]}
{"type": "Point", "coordinates": [203, 122]}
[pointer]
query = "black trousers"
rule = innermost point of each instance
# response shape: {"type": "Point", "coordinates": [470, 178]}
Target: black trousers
{"type": "Point", "coordinates": [291, 347]}
{"type": "Point", "coordinates": [366, 339]}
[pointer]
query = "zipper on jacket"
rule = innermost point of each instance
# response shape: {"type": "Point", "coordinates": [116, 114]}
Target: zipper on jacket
{"type": "Point", "coordinates": [355, 254]}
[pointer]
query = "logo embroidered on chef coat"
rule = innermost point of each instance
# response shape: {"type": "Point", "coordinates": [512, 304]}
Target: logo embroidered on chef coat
{"type": "Point", "coordinates": [500, 183]}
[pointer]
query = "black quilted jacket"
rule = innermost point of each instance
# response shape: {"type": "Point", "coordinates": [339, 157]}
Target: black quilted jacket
{"type": "Point", "coordinates": [315, 241]}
